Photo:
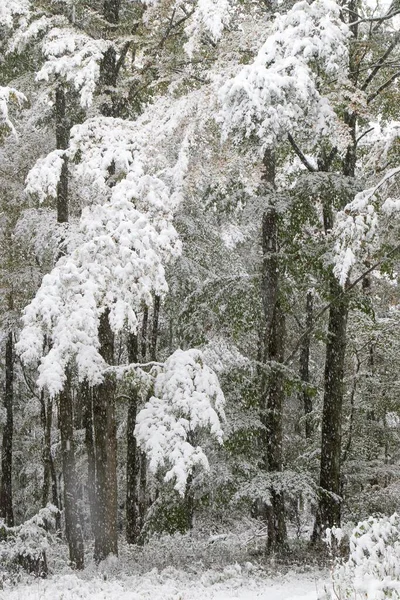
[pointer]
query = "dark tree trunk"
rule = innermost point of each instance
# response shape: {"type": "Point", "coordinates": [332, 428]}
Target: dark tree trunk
{"type": "Point", "coordinates": [6, 504]}
{"type": "Point", "coordinates": [272, 419]}
{"type": "Point", "coordinates": [62, 141]}
{"type": "Point", "coordinates": [305, 396]}
{"type": "Point", "coordinates": [154, 331]}
{"type": "Point", "coordinates": [49, 473]}
{"type": "Point", "coordinates": [87, 399]}
{"type": "Point", "coordinates": [105, 504]}
{"type": "Point", "coordinates": [143, 345]}
{"type": "Point", "coordinates": [105, 444]}
{"type": "Point", "coordinates": [73, 528]}
{"type": "Point", "coordinates": [330, 469]}
{"type": "Point", "coordinates": [142, 499]}
{"type": "Point", "coordinates": [46, 423]}
{"type": "Point", "coordinates": [331, 429]}
{"type": "Point", "coordinates": [132, 500]}
{"type": "Point", "coordinates": [142, 488]}
{"type": "Point", "coordinates": [273, 383]}
{"type": "Point", "coordinates": [330, 505]}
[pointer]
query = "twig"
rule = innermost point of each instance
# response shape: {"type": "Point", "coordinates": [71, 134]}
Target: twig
{"type": "Point", "coordinates": [383, 87]}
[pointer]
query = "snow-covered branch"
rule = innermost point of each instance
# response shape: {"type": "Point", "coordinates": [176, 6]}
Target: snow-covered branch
{"type": "Point", "coordinates": [280, 91]}
{"type": "Point", "coordinates": [187, 398]}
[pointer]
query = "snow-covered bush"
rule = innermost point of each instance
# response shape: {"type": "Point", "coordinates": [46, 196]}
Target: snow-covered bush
{"type": "Point", "coordinates": [25, 545]}
{"type": "Point", "coordinates": [187, 397]}
{"type": "Point", "coordinates": [372, 571]}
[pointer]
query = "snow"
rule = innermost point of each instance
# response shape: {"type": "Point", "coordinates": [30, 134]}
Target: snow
{"type": "Point", "coordinates": [280, 91]}
{"type": "Point", "coordinates": [76, 57]}
{"type": "Point", "coordinates": [233, 582]}
{"type": "Point", "coordinates": [187, 397]}
{"type": "Point", "coordinates": [9, 94]}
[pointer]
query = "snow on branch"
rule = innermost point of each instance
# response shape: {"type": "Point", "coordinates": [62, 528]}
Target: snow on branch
{"type": "Point", "coordinates": [372, 569]}
{"type": "Point", "coordinates": [30, 539]}
{"type": "Point", "coordinates": [11, 9]}
{"type": "Point", "coordinates": [209, 17]}
{"type": "Point", "coordinates": [117, 266]}
{"type": "Point", "coordinates": [74, 56]}
{"type": "Point", "coordinates": [280, 91]}
{"type": "Point", "coordinates": [29, 31]}
{"type": "Point", "coordinates": [187, 398]}
{"type": "Point", "coordinates": [43, 178]}
{"type": "Point", "coordinates": [116, 257]}
{"type": "Point", "coordinates": [356, 227]}
{"type": "Point", "coordinates": [7, 95]}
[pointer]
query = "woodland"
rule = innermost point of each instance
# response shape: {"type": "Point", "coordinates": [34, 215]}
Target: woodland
{"type": "Point", "coordinates": [200, 309]}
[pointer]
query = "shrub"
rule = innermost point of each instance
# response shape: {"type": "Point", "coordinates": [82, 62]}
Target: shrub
{"type": "Point", "coordinates": [25, 545]}
{"type": "Point", "coordinates": [372, 570]}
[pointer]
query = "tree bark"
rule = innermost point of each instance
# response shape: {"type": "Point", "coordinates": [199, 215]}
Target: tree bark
{"type": "Point", "coordinates": [154, 331]}
{"type": "Point", "coordinates": [305, 396]}
{"type": "Point", "coordinates": [329, 512]}
{"type": "Point", "coordinates": [49, 472]}
{"type": "Point", "coordinates": [105, 501]}
{"type": "Point", "coordinates": [143, 345]}
{"type": "Point", "coordinates": [132, 500]}
{"type": "Point", "coordinates": [330, 505]}
{"type": "Point", "coordinates": [87, 399]}
{"type": "Point", "coordinates": [273, 383]}
{"type": "Point", "coordinates": [73, 528]}
{"type": "Point", "coordinates": [6, 503]}
{"type": "Point", "coordinates": [105, 444]}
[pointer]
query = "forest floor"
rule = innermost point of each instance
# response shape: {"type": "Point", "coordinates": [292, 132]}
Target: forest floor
{"type": "Point", "coordinates": [232, 582]}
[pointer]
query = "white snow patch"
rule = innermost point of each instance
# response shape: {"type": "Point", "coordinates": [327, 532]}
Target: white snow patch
{"type": "Point", "coordinates": [231, 583]}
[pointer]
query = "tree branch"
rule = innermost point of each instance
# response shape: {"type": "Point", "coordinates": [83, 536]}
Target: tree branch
{"type": "Point", "coordinates": [364, 134]}
{"type": "Point", "coordinates": [381, 62]}
{"type": "Point", "coordinates": [301, 155]}
{"type": "Point", "coordinates": [379, 20]}
{"type": "Point", "coordinates": [383, 87]}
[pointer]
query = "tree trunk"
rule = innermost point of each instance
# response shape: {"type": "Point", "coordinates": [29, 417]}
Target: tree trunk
{"type": "Point", "coordinates": [330, 468]}
{"type": "Point", "coordinates": [143, 345]}
{"type": "Point", "coordinates": [105, 444]}
{"type": "Point", "coordinates": [273, 397]}
{"type": "Point", "coordinates": [305, 396]}
{"type": "Point", "coordinates": [87, 400]}
{"type": "Point", "coordinates": [273, 383]}
{"type": "Point", "coordinates": [6, 504]}
{"type": "Point", "coordinates": [46, 450]}
{"type": "Point", "coordinates": [132, 500]}
{"type": "Point", "coordinates": [73, 528]}
{"type": "Point", "coordinates": [105, 501]}
{"type": "Point", "coordinates": [142, 498]}
{"type": "Point", "coordinates": [154, 331]}
{"type": "Point", "coordinates": [330, 505]}
{"type": "Point", "coordinates": [49, 473]}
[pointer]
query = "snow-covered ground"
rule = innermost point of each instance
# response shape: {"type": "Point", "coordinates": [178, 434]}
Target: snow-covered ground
{"type": "Point", "coordinates": [233, 582]}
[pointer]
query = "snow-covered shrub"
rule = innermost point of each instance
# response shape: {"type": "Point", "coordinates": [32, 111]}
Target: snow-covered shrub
{"type": "Point", "coordinates": [187, 398]}
{"type": "Point", "coordinates": [372, 571]}
{"type": "Point", "coordinates": [25, 545]}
